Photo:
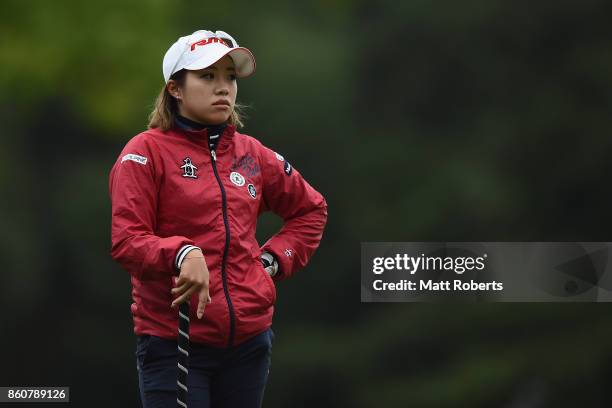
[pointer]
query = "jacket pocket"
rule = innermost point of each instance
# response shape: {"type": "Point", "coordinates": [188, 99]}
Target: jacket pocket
{"type": "Point", "coordinates": [269, 283]}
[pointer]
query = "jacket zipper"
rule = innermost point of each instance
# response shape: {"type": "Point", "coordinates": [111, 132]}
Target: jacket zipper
{"type": "Point", "coordinates": [230, 341]}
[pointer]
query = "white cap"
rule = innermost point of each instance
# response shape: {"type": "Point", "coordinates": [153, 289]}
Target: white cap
{"type": "Point", "coordinates": [202, 49]}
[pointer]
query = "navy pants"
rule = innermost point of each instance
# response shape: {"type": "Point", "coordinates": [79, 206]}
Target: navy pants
{"type": "Point", "coordinates": [218, 377]}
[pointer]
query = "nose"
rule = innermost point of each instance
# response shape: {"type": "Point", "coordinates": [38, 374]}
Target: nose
{"type": "Point", "coordinates": [222, 87]}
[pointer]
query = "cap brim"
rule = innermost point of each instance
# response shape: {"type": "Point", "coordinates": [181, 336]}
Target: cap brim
{"type": "Point", "coordinates": [244, 60]}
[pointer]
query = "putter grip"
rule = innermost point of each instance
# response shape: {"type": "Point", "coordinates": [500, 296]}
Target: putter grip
{"type": "Point", "coordinates": [183, 355]}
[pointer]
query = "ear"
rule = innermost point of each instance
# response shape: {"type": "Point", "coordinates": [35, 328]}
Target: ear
{"type": "Point", "coordinates": [173, 89]}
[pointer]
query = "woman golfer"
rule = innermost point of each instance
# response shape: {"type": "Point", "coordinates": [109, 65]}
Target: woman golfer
{"type": "Point", "coordinates": [186, 194]}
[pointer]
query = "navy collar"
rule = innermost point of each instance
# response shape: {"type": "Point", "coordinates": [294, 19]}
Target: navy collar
{"type": "Point", "coordinates": [213, 132]}
{"type": "Point", "coordinates": [200, 137]}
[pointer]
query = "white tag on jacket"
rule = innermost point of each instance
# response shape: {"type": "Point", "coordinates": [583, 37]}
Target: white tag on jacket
{"type": "Point", "coordinates": [135, 158]}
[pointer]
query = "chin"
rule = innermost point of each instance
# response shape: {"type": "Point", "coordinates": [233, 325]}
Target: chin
{"type": "Point", "coordinates": [215, 119]}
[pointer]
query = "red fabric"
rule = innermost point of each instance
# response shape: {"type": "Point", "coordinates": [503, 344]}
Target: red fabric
{"type": "Point", "coordinates": [156, 210]}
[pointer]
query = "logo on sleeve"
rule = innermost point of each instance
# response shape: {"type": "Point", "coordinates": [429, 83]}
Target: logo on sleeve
{"type": "Point", "coordinates": [135, 158]}
{"type": "Point", "coordinates": [237, 178]}
{"type": "Point", "coordinates": [288, 252]}
{"type": "Point", "coordinates": [252, 190]}
{"type": "Point", "coordinates": [279, 157]}
{"type": "Point", "coordinates": [189, 170]}
{"type": "Point", "coordinates": [288, 168]}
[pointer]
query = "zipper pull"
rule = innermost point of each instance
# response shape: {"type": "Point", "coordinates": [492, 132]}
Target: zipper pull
{"type": "Point", "coordinates": [213, 155]}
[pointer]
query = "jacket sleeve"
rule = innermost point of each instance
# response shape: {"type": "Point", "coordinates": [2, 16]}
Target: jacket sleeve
{"type": "Point", "coordinates": [134, 187]}
{"type": "Point", "coordinates": [302, 208]}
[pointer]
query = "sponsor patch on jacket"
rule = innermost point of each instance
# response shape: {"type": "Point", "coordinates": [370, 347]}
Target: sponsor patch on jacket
{"type": "Point", "coordinates": [189, 170]}
{"type": "Point", "coordinates": [247, 164]}
{"type": "Point", "coordinates": [135, 158]}
{"type": "Point", "coordinates": [288, 168]}
{"type": "Point", "coordinates": [279, 157]}
{"type": "Point", "coordinates": [252, 190]}
{"type": "Point", "coordinates": [237, 178]}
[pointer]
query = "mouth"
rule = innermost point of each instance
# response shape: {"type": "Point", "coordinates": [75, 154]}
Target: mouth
{"type": "Point", "coordinates": [221, 102]}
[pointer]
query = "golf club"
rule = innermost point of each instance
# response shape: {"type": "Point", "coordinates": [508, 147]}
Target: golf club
{"type": "Point", "coordinates": [183, 355]}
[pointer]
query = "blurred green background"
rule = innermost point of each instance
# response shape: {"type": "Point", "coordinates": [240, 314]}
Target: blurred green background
{"type": "Point", "coordinates": [480, 120]}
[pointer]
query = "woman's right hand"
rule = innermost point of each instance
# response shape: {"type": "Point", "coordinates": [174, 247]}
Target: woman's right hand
{"type": "Point", "coordinates": [194, 277]}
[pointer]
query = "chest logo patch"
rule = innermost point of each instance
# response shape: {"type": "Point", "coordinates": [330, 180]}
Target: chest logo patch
{"type": "Point", "coordinates": [237, 178]}
{"type": "Point", "coordinates": [279, 157]}
{"type": "Point", "coordinates": [189, 170]}
{"type": "Point", "coordinates": [252, 190]}
{"type": "Point", "coordinates": [247, 164]}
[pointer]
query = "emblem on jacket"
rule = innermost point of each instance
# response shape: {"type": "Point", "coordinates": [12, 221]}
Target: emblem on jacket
{"type": "Point", "coordinates": [288, 168]}
{"type": "Point", "coordinates": [135, 158]}
{"type": "Point", "coordinates": [237, 178]}
{"type": "Point", "coordinates": [252, 190]}
{"type": "Point", "coordinates": [189, 170]}
{"type": "Point", "coordinates": [246, 164]}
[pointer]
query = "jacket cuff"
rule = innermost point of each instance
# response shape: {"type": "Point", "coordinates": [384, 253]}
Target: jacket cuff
{"type": "Point", "coordinates": [180, 255]}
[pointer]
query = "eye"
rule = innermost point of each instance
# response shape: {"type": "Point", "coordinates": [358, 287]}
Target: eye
{"type": "Point", "coordinates": [233, 77]}
{"type": "Point", "coordinates": [208, 75]}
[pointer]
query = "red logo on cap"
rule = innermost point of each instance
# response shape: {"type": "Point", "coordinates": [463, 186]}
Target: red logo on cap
{"type": "Point", "coordinates": [207, 41]}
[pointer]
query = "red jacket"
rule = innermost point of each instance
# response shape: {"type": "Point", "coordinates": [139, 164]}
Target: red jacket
{"type": "Point", "coordinates": [169, 190]}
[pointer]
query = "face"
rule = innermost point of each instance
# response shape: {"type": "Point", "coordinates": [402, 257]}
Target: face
{"type": "Point", "coordinates": [208, 95]}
